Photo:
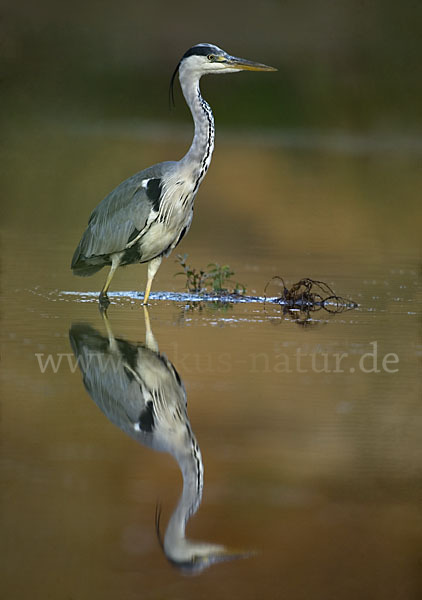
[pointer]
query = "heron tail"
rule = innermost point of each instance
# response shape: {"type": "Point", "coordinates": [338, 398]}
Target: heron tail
{"type": "Point", "coordinates": [85, 267]}
{"type": "Point", "coordinates": [84, 270]}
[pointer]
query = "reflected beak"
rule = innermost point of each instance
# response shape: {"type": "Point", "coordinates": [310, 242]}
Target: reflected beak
{"type": "Point", "coordinates": [227, 555]}
{"type": "Point", "coordinates": [246, 65]}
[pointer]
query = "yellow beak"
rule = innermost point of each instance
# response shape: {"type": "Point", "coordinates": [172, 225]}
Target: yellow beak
{"type": "Point", "coordinates": [246, 65]}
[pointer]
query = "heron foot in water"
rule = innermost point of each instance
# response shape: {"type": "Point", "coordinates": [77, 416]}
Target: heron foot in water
{"type": "Point", "coordinates": [103, 301]}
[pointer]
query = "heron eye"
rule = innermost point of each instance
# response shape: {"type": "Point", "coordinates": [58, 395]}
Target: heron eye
{"type": "Point", "coordinates": [211, 57]}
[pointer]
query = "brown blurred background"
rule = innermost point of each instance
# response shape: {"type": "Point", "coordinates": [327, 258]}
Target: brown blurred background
{"type": "Point", "coordinates": [349, 64]}
{"type": "Point", "coordinates": [316, 173]}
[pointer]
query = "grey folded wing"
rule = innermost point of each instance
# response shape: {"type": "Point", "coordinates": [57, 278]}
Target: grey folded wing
{"type": "Point", "coordinates": [107, 375]}
{"type": "Point", "coordinates": [122, 215]}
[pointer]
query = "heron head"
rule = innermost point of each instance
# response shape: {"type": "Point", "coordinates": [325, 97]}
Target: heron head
{"type": "Point", "coordinates": [199, 556]}
{"type": "Point", "coordinates": [189, 557]}
{"type": "Point", "coordinates": [203, 59]}
{"type": "Point", "coordinates": [207, 58]}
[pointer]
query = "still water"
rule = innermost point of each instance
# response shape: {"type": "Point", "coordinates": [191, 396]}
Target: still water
{"type": "Point", "coordinates": [295, 467]}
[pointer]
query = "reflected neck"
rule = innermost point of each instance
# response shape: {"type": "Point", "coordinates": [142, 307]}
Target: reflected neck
{"type": "Point", "coordinates": [192, 470]}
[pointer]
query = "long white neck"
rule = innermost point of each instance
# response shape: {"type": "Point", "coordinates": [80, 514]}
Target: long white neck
{"type": "Point", "coordinates": [198, 157]}
{"type": "Point", "coordinates": [190, 555]}
{"type": "Point", "coordinates": [190, 463]}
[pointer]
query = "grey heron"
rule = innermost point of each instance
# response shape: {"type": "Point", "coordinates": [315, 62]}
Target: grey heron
{"type": "Point", "coordinates": [147, 215]}
{"type": "Point", "coordinates": [140, 391]}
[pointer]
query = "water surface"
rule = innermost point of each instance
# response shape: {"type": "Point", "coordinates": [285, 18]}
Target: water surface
{"type": "Point", "coordinates": [312, 463]}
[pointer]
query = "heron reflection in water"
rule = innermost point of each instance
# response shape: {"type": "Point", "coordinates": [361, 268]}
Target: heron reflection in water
{"type": "Point", "coordinates": [140, 391]}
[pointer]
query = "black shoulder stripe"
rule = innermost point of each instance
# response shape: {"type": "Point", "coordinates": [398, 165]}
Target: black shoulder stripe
{"type": "Point", "coordinates": [176, 374]}
{"type": "Point", "coordinates": [133, 235]}
{"type": "Point", "coordinates": [181, 236]}
{"type": "Point", "coordinates": [129, 353]}
{"type": "Point", "coordinates": [129, 373]}
{"type": "Point", "coordinates": [154, 192]}
{"type": "Point", "coordinates": [146, 418]}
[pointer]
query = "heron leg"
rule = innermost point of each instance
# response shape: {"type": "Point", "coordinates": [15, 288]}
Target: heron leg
{"type": "Point", "coordinates": [111, 339]}
{"type": "Point", "coordinates": [103, 298]}
{"type": "Point", "coordinates": [152, 269]}
{"type": "Point", "coordinates": [150, 340]}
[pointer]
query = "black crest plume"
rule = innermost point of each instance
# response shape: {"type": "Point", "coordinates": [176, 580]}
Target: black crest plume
{"type": "Point", "coordinates": [172, 103]}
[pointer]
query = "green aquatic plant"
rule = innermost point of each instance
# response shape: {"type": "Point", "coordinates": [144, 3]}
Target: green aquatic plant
{"type": "Point", "coordinates": [217, 279]}
{"type": "Point", "coordinates": [195, 280]}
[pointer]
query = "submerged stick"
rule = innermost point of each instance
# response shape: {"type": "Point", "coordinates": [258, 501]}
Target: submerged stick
{"type": "Point", "coordinates": [309, 295]}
